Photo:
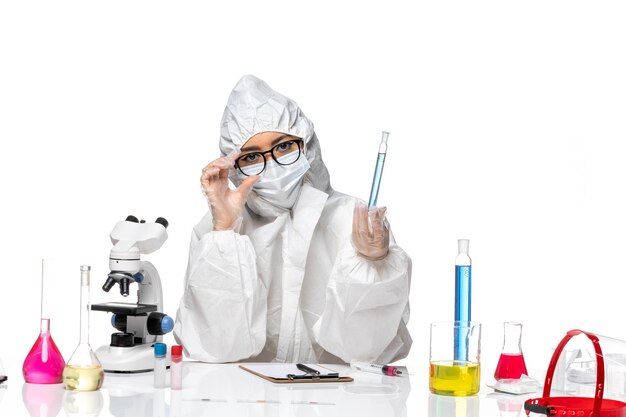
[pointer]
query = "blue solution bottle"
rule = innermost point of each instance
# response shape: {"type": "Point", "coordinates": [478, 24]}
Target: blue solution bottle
{"type": "Point", "coordinates": [462, 298]}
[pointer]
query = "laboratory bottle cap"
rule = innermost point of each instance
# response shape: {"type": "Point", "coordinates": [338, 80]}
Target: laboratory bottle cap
{"type": "Point", "coordinates": [463, 246]}
{"type": "Point", "coordinates": [85, 268]}
{"type": "Point", "coordinates": [160, 350]}
{"type": "Point", "coordinates": [177, 350]}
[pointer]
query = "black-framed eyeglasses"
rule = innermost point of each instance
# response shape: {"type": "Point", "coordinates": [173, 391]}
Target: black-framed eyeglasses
{"type": "Point", "coordinates": [284, 153]}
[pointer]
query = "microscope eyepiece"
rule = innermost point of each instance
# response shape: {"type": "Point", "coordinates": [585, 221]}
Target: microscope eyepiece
{"type": "Point", "coordinates": [162, 221]}
{"type": "Point", "coordinates": [124, 285]}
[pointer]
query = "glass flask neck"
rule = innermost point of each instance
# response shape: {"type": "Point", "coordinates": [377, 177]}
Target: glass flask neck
{"type": "Point", "coordinates": [512, 338]}
{"type": "Point", "coordinates": [84, 305]}
{"type": "Point", "coordinates": [44, 326]}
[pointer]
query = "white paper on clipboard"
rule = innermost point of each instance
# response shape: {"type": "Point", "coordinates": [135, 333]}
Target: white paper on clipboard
{"type": "Point", "coordinates": [281, 370]}
{"type": "Point", "coordinates": [277, 373]}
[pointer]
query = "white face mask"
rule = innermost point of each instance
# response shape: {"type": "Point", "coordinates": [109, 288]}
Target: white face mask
{"type": "Point", "coordinates": [280, 184]}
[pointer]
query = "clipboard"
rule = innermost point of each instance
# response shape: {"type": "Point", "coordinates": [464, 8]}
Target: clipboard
{"type": "Point", "coordinates": [277, 373]}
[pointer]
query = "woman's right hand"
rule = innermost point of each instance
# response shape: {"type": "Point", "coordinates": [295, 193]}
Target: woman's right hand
{"type": "Point", "coordinates": [226, 204]}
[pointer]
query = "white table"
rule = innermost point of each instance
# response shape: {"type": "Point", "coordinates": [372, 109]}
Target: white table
{"type": "Point", "coordinates": [226, 390]}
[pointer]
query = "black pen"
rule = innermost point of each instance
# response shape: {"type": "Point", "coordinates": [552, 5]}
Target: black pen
{"type": "Point", "coordinates": [306, 369]}
{"type": "Point", "coordinates": [314, 377]}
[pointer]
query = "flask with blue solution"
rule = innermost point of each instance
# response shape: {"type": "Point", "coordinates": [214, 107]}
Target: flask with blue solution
{"type": "Point", "coordinates": [462, 297]}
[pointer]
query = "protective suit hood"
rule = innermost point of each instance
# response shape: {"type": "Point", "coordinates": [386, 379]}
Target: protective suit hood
{"type": "Point", "coordinates": [253, 107]}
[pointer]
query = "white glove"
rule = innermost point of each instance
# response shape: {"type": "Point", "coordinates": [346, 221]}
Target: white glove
{"type": "Point", "coordinates": [370, 236]}
{"type": "Point", "coordinates": [226, 204]}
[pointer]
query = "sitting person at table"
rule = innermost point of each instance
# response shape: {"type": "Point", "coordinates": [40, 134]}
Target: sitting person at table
{"type": "Point", "coordinates": [284, 268]}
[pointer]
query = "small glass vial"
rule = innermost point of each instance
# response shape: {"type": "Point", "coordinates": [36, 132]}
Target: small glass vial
{"type": "Point", "coordinates": [511, 364]}
{"type": "Point", "coordinates": [160, 352]}
{"type": "Point", "coordinates": [176, 369]}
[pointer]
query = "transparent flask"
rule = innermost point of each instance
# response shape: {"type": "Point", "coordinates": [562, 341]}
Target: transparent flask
{"type": "Point", "coordinates": [44, 362]}
{"type": "Point", "coordinates": [511, 363]}
{"type": "Point", "coordinates": [83, 371]}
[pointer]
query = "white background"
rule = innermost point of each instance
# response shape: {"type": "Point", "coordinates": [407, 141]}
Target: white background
{"type": "Point", "coordinates": [507, 127]}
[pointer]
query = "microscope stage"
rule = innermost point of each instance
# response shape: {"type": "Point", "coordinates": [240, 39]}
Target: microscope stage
{"type": "Point", "coordinates": [127, 309]}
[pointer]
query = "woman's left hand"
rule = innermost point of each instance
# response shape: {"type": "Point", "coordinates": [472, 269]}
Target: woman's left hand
{"type": "Point", "coordinates": [371, 241]}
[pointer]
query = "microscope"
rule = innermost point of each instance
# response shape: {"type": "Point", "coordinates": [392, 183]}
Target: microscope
{"type": "Point", "coordinates": [141, 324]}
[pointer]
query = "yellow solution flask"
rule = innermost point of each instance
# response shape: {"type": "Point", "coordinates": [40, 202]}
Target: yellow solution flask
{"type": "Point", "coordinates": [83, 371]}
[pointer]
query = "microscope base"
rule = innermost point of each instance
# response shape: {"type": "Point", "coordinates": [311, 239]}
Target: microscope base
{"type": "Point", "coordinates": [128, 360]}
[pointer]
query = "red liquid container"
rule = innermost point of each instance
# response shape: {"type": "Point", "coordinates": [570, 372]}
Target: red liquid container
{"type": "Point", "coordinates": [44, 363]}
{"type": "Point", "coordinates": [511, 364]}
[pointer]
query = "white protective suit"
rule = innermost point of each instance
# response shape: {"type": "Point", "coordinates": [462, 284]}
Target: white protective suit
{"type": "Point", "coordinates": [288, 286]}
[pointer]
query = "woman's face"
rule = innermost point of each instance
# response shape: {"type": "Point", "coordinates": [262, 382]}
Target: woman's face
{"type": "Point", "coordinates": [263, 147]}
{"type": "Point", "coordinates": [264, 141]}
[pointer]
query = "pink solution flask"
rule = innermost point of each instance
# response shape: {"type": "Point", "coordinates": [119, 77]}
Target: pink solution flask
{"type": "Point", "coordinates": [511, 364]}
{"type": "Point", "coordinates": [44, 363]}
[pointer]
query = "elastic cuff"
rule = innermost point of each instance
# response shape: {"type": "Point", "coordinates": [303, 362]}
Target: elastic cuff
{"type": "Point", "coordinates": [373, 259]}
{"type": "Point", "coordinates": [236, 226]}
